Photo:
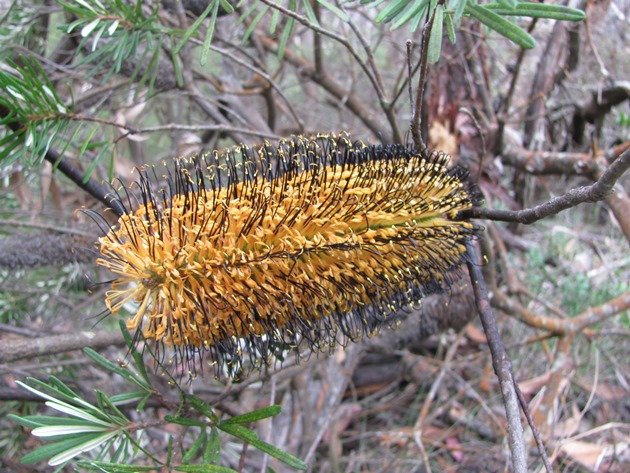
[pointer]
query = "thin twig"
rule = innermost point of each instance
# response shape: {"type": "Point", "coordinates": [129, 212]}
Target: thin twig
{"type": "Point", "coordinates": [507, 101]}
{"type": "Point", "coordinates": [481, 137]}
{"type": "Point", "coordinates": [409, 70]}
{"type": "Point", "coordinates": [416, 119]}
{"type": "Point", "coordinates": [593, 193]}
{"type": "Point", "coordinates": [96, 190]}
{"type": "Point", "coordinates": [267, 78]}
{"type": "Point", "coordinates": [349, 100]}
{"type": "Point", "coordinates": [500, 361]}
{"type": "Point", "coordinates": [343, 41]}
{"type": "Point", "coordinates": [532, 425]}
{"type": "Point", "coordinates": [43, 226]}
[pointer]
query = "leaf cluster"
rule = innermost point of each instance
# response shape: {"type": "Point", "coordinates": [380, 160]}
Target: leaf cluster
{"type": "Point", "coordinates": [36, 119]}
{"type": "Point", "coordinates": [447, 15]}
{"type": "Point", "coordinates": [103, 428]}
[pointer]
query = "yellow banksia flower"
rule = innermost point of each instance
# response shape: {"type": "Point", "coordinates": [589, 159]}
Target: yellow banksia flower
{"type": "Point", "coordinates": [245, 253]}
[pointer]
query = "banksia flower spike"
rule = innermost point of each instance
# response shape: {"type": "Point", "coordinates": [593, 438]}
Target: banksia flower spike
{"type": "Point", "coordinates": [245, 253]}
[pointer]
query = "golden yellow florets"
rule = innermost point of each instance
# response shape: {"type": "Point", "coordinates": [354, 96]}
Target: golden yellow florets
{"type": "Point", "coordinates": [244, 253]}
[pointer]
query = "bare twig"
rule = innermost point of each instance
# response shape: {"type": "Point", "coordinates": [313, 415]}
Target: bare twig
{"type": "Point", "coordinates": [481, 137]}
{"type": "Point", "coordinates": [267, 78]}
{"type": "Point", "coordinates": [507, 101]}
{"type": "Point", "coordinates": [416, 119]}
{"type": "Point", "coordinates": [331, 34]}
{"type": "Point", "coordinates": [350, 100]}
{"type": "Point", "coordinates": [535, 432]}
{"type": "Point", "coordinates": [593, 193]}
{"type": "Point", "coordinates": [500, 361]}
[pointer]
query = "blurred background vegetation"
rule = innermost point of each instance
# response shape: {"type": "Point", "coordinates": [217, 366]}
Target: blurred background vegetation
{"type": "Point", "coordinates": [531, 104]}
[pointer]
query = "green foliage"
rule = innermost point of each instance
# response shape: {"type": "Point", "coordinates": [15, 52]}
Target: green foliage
{"type": "Point", "coordinates": [114, 441]}
{"type": "Point", "coordinates": [33, 108]}
{"type": "Point", "coordinates": [623, 119]}
{"type": "Point", "coordinates": [492, 15]}
{"type": "Point", "coordinates": [213, 10]}
{"type": "Point", "coordinates": [36, 119]}
{"type": "Point", "coordinates": [551, 267]}
{"type": "Point", "coordinates": [114, 31]}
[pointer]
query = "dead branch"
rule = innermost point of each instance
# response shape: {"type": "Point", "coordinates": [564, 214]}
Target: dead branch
{"type": "Point", "coordinates": [422, 80]}
{"type": "Point", "coordinates": [593, 193]}
{"type": "Point", "coordinates": [44, 249]}
{"type": "Point", "coordinates": [560, 326]}
{"type": "Point", "coordinates": [549, 162]}
{"type": "Point", "coordinates": [500, 362]}
{"type": "Point", "coordinates": [600, 104]}
{"type": "Point", "coordinates": [12, 350]}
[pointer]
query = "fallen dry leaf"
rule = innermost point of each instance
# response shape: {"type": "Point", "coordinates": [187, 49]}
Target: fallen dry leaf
{"type": "Point", "coordinates": [587, 454]}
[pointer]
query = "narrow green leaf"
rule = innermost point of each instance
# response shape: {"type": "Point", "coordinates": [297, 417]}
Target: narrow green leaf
{"type": "Point", "coordinates": [115, 467]}
{"type": "Point", "coordinates": [124, 398]}
{"type": "Point", "coordinates": [184, 421]}
{"type": "Point", "coordinates": [415, 8]}
{"type": "Point", "coordinates": [87, 29]}
{"type": "Point", "coordinates": [252, 26]}
{"type": "Point", "coordinates": [7, 150]}
{"type": "Point", "coordinates": [501, 25]}
{"type": "Point", "coordinates": [308, 11]}
{"type": "Point", "coordinates": [213, 448]}
{"type": "Point", "coordinates": [201, 406]}
{"type": "Point", "coordinates": [205, 51]}
{"type": "Point", "coordinates": [142, 402]}
{"type": "Point", "coordinates": [206, 468]}
{"type": "Point", "coordinates": [24, 421]}
{"type": "Point", "coordinates": [110, 409]}
{"type": "Point", "coordinates": [104, 362]}
{"type": "Point", "coordinates": [435, 40]}
{"type": "Point", "coordinates": [538, 10]}
{"type": "Point", "coordinates": [450, 27]}
{"type": "Point", "coordinates": [459, 11]}
{"type": "Point", "coordinates": [509, 4]}
{"type": "Point", "coordinates": [169, 451]}
{"type": "Point", "coordinates": [108, 365]}
{"type": "Point", "coordinates": [44, 389]}
{"type": "Point", "coordinates": [253, 439]}
{"type": "Point", "coordinates": [66, 430]}
{"type": "Point", "coordinates": [86, 446]}
{"type": "Point", "coordinates": [137, 356]}
{"type": "Point", "coordinates": [273, 24]}
{"type": "Point", "coordinates": [418, 19]}
{"type": "Point", "coordinates": [87, 140]}
{"type": "Point", "coordinates": [255, 415]}
{"type": "Point", "coordinates": [390, 11]}
{"type": "Point", "coordinates": [287, 31]}
{"type": "Point", "coordinates": [41, 421]}
{"type": "Point", "coordinates": [197, 445]}
{"type": "Point", "coordinates": [214, 4]}
{"type": "Point", "coordinates": [226, 6]}
{"type": "Point", "coordinates": [333, 9]}
{"type": "Point", "coordinates": [52, 449]}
